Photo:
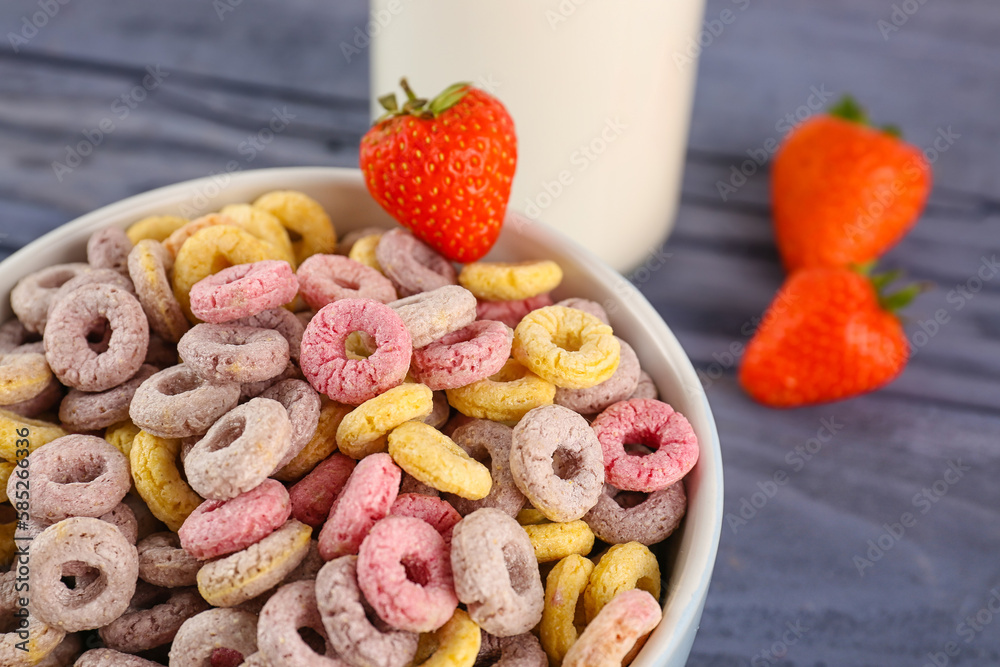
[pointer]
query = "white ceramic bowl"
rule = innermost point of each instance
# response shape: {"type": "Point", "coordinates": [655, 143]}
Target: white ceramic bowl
{"type": "Point", "coordinates": [688, 556]}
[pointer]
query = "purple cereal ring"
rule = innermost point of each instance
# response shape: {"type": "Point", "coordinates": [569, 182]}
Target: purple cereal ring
{"type": "Point", "coordinates": [220, 527]}
{"type": "Point", "coordinates": [243, 290]}
{"type": "Point", "coordinates": [177, 403]}
{"type": "Point", "coordinates": [353, 381]}
{"type": "Point", "coordinates": [96, 544]}
{"type": "Point", "coordinates": [108, 248]}
{"type": "Point", "coordinates": [646, 388]}
{"type": "Point", "coordinates": [66, 346]}
{"type": "Point", "coordinates": [345, 614]}
{"type": "Point", "coordinates": [281, 320]}
{"type": "Point", "coordinates": [32, 295]}
{"type": "Point", "coordinates": [587, 306]}
{"type": "Point", "coordinates": [440, 410]}
{"type": "Point", "coordinates": [430, 315]}
{"type": "Point", "coordinates": [302, 403]}
{"type": "Point", "coordinates": [75, 475]}
{"type": "Point", "coordinates": [200, 636]}
{"type": "Point", "coordinates": [123, 518]}
{"type": "Point", "coordinates": [511, 312]}
{"type": "Point", "coordinates": [294, 607]}
{"type": "Point", "coordinates": [421, 600]}
{"type": "Point", "coordinates": [653, 424]}
{"type": "Point", "coordinates": [313, 495]}
{"type": "Point", "coordinates": [105, 657]}
{"type": "Point", "coordinates": [162, 561]}
{"type": "Point", "coordinates": [92, 277]}
{"type": "Point", "coordinates": [147, 524]}
{"type": "Point", "coordinates": [464, 356]}
{"type": "Point", "coordinates": [631, 516]}
{"type": "Point", "coordinates": [489, 443]}
{"type": "Point", "coordinates": [231, 353]}
{"type": "Point", "coordinates": [618, 387]}
{"type": "Point", "coordinates": [366, 497]}
{"type": "Point", "coordinates": [153, 617]}
{"type": "Point", "coordinates": [12, 334]}
{"type": "Point", "coordinates": [348, 240]}
{"type": "Point", "coordinates": [412, 265]}
{"type": "Point", "coordinates": [160, 353]}
{"type": "Point", "coordinates": [556, 461]}
{"type": "Point", "coordinates": [324, 279]}
{"type": "Point", "coordinates": [240, 450]}
{"type": "Point", "coordinates": [441, 516]}
{"type": "Point", "coordinates": [250, 390]}
{"type": "Point", "coordinates": [496, 573]}
{"type": "Point", "coordinates": [149, 263]}
{"type": "Point", "coordinates": [49, 397]}
{"type": "Point", "coordinates": [411, 484]}
{"type": "Point", "coordinates": [87, 411]}
{"type": "Point", "coordinates": [517, 651]}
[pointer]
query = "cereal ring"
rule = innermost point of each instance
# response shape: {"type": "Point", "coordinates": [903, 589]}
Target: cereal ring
{"type": "Point", "coordinates": [282, 321]}
{"type": "Point", "coordinates": [556, 461]}
{"type": "Point", "coordinates": [623, 567]}
{"type": "Point", "coordinates": [365, 498]}
{"type": "Point", "coordinates": [203, 634]}
{"type": "Point", "coordinates": [96, 544]}
{"type": "Point", "coordinates": [324, 279]}
{"type": "Point", "coordinates": [610, 636]}
{"type": "Point", "coordinates": [76, 475]}
{"type": "Point", "coordinates": [236, 578]}
{"type": "Point", "coordinates": [47, 399]}
{"type": "Point", "coordinates": [313, 495]}
{"type": "Point", "coordinates": [651, 423]}
{"type": "Point", "coordinates": [42, 638]}
{"type": "Point", "coordinates": [303, 406]}
{"type": "Point", "coordinates": [504, 281]}
{"type": "Point", "coordinates": [12, 428]}
{"type": "Point", "coordinates": [567, 347]}
{"type": "Point", "coordinates": [440, 410]}
{"type": "Point", "coordinates": [159, 482]}
{"type": "Point", "coordinates": [618, 387]}
{"type": "Point", "coordinates": [250, 390]}
{"type": "Point", "coordinates": [322, 445]}
{"type": "Point", "coordinates": [344, 613]}
{"type": "Point", "coordinates": [231, 353]}
{"type": "Point", "coordinates": [220, 527]}
{"type": "Point", "coordinates": [66, 347]}
{"type": "Point", "coordinates": [22, 377]}
{"type": "Point", "coordinates": [92, 277]}
{"type": "Point", "coordinates": [177, 403]}
{"type": "Point", "coordinates": [278, 638]}
{"type": "Point", "coordinates": [411, 484]}
{"type": "Point", "coordinates": [518, 651]}
{"type": "Point", "coordinates": [108, 248]}
{"type": "Point", "coordinates": [31, 297]}
{"type": "Point", "coordinates": [496, 574]}
{"type": "Point", "coordinates": [153, 617]}
{"type": "Point", "coordinates": [511, 312]}
{"type": "Point", "coordinates": [324, 357]}
{"type": "Point", "coordinates": [123, 518]}
{"type": "Point", "coordinates": [555, 541]}
{"type": "Point", "coordinates": [105, 657]}
{"type": "Point", "coordinates": [464, 356]}
{"type": "Point", "coordinates": [157, 228]}
{"type": "Point", "coordinates": [505, 396]}
{"type": "Point", "coordinates": [434, 459]}
{"type": "Point", "coordinates": [147, 524]}
{"type": "Point", "coordinates": [455, 644]}
{"type": "Point", "coordinates": [264, 226]}
{"type": "Point", "coordinates": [412, 265]}
{"type": "Point", "coordinates": [430, 315]}
{"type": "Point", "coordinates": [12, 334]}
{"type": "Point", "coordinates": [65, 653]}
{"type": "Point", "coordinates": [363, 251]}
{"type": "Point", "coordinates": [363, 430]}
{"type": "Point", "coordinates": [243, 290]}
{"type": "Point", "coordinates": [529, 516]}
{"type": "Point", "coordinates": [173, 243]}
{"type": "Point", "coordinates": [441, 516]}
{"type": "Point", "coordinates": [240, 450]}
{"type": "Point", "coordinates": [563, 588]}
{"type": "Point", "coordinates": [162, 561]}
{"type": "Point", "coordinates": [86, 411]}
{"type": "Point", "coordinates": [646, 387]}
{"type": "Point", "coordinates": [405, 573]}
{"type": "Point", "coordinates": [587, 306]}
{"type": "Point", "coordinates": [630, 516]}
{"type": "Point", "coordinates": [489, 443]}
{"type": "Point", "coordinates": [347, 241]}
{"type": "Point", "coordinates": [303, 216]}
{"type": "Point", "coordinates": [148, 266]}
{"type": "Point", "coordinates": [6, 469]}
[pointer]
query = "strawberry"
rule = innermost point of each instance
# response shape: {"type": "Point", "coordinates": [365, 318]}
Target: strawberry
{"type": "Point", "coordinates": [843, 192]}
{"type": "Point", "coordinates": [443, 169]}
{"type": "Point", "coordinates": [827, 335]}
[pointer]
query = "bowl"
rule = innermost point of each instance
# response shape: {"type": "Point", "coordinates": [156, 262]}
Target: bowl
{"type": "Point", "coordinates": [688, 556]}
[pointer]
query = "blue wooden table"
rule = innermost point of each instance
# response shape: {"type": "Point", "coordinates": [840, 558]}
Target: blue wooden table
{"type": "Point", "coordinates": [879, 545]}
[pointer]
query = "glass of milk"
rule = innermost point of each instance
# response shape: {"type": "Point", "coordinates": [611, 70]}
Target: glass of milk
{"type": "Point", "coordinates": [600, 92]}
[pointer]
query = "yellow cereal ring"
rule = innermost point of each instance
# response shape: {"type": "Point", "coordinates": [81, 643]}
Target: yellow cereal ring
{"type": "Point", "coordinates": [149, 268]}
{"type": "Point", "coordinates": [264, 226]}
{"type": "Point", "coordinates": [159, 482]}
{"type": "Point", "coordinates": [559, 628]}
{"type": "Point", "coordinates": [454, 644]}
{"type": "Point", "coordinates": [566, 346]}
{"type": "Point", "coordinates": [529, 516]}
{"type": "Point", "coordinates": [12, 430]}
{"type": "Point", "coordinates": [157, 228]}
{"type": "Point", "coordinates": [121, 435]}
{"type": "Point", "coordinates": [22, 377]}
{"type": "Point", "coordinates": [363, 430]}
{"type": "Point", "coordinates": [434, 459]}
{"type": "Point", "coordinates": [322, 444]}
{"type": "Point", "coordinates": [505, 396]}
{"type": "Point", "coordinates": [6, 468]}
{"type": "Point", "coordinates": [363, 251]}
{"type": "Point", "coordinates": [554, 541]}
{"type": "Point", "coordinates": [622, 568]}
{"type": "Point", "coordinates": [7, 545]}
{"type": "Point", "coordinates": [179, 237]}
{"type": "Point", "coordinates": [302, 216]}
{"type": "Point", "coordinates": [510, 281]}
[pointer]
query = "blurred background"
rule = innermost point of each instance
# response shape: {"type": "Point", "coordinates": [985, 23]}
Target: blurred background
{"type": "Point", "coordinates": [100, 100]}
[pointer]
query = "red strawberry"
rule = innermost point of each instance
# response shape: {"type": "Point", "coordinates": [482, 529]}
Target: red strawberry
{"type": "Point", "coordinates": [827, 335]}
{"type": "Point", "coordinates": [444, 168]}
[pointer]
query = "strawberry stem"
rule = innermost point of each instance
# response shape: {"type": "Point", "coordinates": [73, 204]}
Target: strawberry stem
{"type": "Point", "coordinates": [847, 108]}
{"type": "Point", "coordinates": [901, 299]}
{"type": "Point", "coordinates": [419, 106]}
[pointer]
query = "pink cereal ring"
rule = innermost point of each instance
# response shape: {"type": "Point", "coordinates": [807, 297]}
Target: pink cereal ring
{"type": "Point", "coordinates": [243, 290]}
{"type": "Point", "coordinates": [511, 312]}
{"type": "Point", "coordinates": [324, 358]}
{"type": "Point", "coordinates": [411, 265]}
{"type": "Point", "coordinates": [281, 645]}
{"type": "Point", "coordinates": [324, 279]}
{"type": "Point", "coordinates": [424, 599]}
{"type": "Point", "coordinates": [220, 527]}
{"type": "Point", "coordinates": [313, 495]}
{"type": "Point", "coordinates": [108, 248]}
{"type": "Point", "coordinates": [464, 356]}
{"type": "Point", "coordinates": [651, 423]}
{"type": "Point", "coordinates": [437, 512]}
{"type": "Point", "coordinates": [367, 497]}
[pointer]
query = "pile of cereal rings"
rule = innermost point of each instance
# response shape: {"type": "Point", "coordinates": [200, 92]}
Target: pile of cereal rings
{"type": "Point", "coordinates": [235, 441]}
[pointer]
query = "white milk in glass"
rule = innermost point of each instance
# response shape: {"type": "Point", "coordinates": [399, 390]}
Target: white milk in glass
{"type": "Point", "coordinates": [600, 92]}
